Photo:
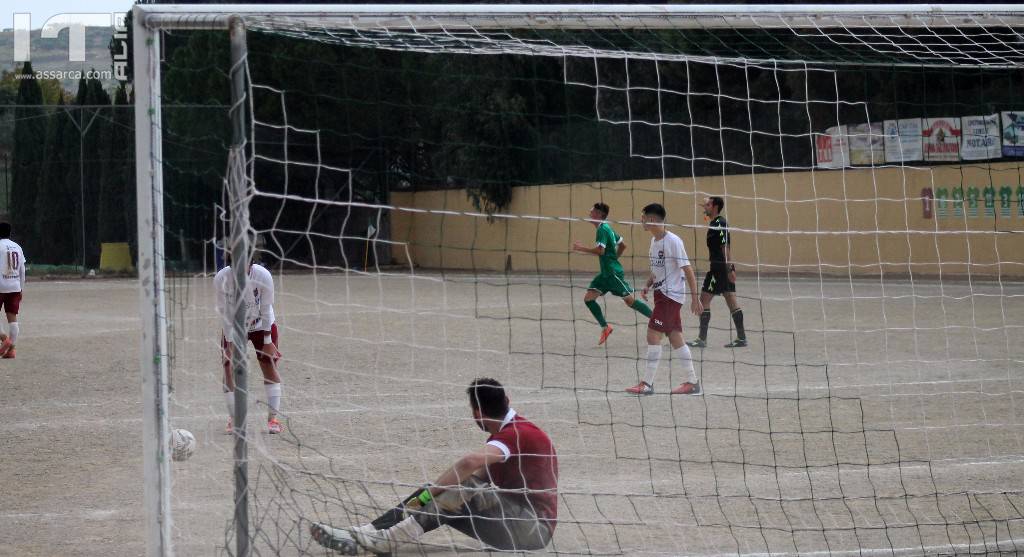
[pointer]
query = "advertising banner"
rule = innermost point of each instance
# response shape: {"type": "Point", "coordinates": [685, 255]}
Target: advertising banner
{"type": "Point", "coordinates": [941, 138]}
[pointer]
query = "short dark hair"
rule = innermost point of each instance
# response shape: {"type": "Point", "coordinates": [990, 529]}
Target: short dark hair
{"type": "Point", "coordinates": [5, 230]}
{"type": "Point", "coordinates": [655, 209]}
{"type": "Point", "coordinates": [718, 202]}
{"type": "Point", "coordinates": [603, 207]}
{"type": "Point", "coordinates": [488, 396]}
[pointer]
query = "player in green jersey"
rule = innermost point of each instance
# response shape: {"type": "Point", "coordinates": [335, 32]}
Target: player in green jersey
{"type": "Point", "coordinates": [609, 246]}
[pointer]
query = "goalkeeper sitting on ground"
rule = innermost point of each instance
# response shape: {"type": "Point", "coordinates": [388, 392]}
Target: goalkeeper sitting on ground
{"type": "Point", "coordinates": [504, 494]}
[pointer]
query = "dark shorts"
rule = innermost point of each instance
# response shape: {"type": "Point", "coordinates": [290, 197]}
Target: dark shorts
{"type": "Point", "coordinates": [666, 316]}
{"type": "Point", "coordinates": [256, 338]}
{"type": "Point", "coordinates": [503, 520]}
{"type": "Point", "coordinates": [717, 282]}
{"type": "Point", "coordinates": [10, 302]}
{"type": "Point", "coordinates": [616, 284]}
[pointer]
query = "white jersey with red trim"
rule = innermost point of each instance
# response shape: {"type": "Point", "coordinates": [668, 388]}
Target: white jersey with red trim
{"type": "Point", "coordinates": [668, 257]}
{"type": "Point", "coordinates": [12, 267]}
{"type": "Point", "coordinates": [259, 299]}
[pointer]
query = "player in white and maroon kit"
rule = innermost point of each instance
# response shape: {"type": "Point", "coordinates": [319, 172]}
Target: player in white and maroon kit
{"type": "Point", "coordinates": [12, 282]}
{"type": "Point", "coordinates": [505, 494]}
{"type": "Point", "coordinates": [262, 329]}
{"type": "Point", "coordinates": [671, 279]}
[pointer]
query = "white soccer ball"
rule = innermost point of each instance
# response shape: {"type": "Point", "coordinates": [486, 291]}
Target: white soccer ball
{"type": "Point", "coordinates": [183, 444]}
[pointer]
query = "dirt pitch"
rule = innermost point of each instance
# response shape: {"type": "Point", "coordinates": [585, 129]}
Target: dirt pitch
{"type": "Point", "coordinates": [908, 440]}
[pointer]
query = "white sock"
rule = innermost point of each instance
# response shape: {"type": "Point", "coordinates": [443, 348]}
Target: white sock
{"type": "Point", "coordinates": [229, 398]}
{"type": "Point", "coordinates": [14, 332]}
{"type": "Point", "coordinates": [653, 359]}
{"type": "Point", "coordinates": [686, 359]}
{"type": "Point", "coordinates": [387, 540]}
{"type": "Point", "coordinates": [273, 397]}
{"type": "Point", "coordinates": [406, 531]}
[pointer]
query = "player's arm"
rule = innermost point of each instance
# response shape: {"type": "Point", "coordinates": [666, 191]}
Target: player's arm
{"type": "Point", "coordinates": [729, 264]}
{"type": "Point", "coordinates": [596, 250]}
{"type": "Point", "coordinates": [469, 464]}
{"type": "Point", "coordinates": [621, 247]}
{"type": "Point", "coordinates": [22, 272]}
{"type": "Point", "coordinates": [727, 250]}
{"type": "Point", "coordinates": [266, 306]}
{"type": "Point", "coordinates": [691, 286]}
{"type": "Point", "coordinates": [679, 254]}
{"type": "Point", "coordinates": [269, 348]}
{"type": "Point", "coordinates": [647, 286]}
{"type": "Point", "coordinates": [220, 303]}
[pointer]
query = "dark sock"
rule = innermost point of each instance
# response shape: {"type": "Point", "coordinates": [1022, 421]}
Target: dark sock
{"type": "Point", "coordinates": [595, 308]}
{"type": "Point", "coordinates": [398, 514]}
{"type": "Point", "coordinates": [737, 318]}
{"type": "Point", "coordinates": [389, 519]}
{"type": "Point", "coordinates": [641, 307]}
{"type": "Point", "coordinates": [705, 320]}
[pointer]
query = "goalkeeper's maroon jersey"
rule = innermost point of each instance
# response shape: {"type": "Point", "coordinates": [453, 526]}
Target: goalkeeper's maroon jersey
{"type": "Point", "coordinates": [530, 462]}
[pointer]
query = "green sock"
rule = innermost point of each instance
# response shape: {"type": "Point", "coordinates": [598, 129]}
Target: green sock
{"type": "Point", "coordinates": [640, 306]}
{"type": "Point", "coordinates": [595, 308]}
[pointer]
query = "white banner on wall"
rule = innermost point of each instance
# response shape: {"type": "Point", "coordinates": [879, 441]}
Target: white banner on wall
{"type": "Point", "coordinates": [832, 148]}
{"type": "Point", "coordinates": [867, 145]}
{"type": "Point", "coordinates": [980, 138]}
{"type": "Point", "coordinates": [1013, 134]}
{"type": "Point", "coordinates": [941, 139]}
{"type": "Point", "coordinates": [903, 140]}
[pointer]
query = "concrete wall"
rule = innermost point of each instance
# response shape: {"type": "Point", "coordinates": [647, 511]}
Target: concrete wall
{"type": "Point", "coordinates": [859, 220]}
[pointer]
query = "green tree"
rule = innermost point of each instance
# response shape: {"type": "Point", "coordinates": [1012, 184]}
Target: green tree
{"type": "Point", "coordinates": [28, 159]}
{"type": "Point", "coordinates": [55, 202]}
{"type": "Point", "coordinates": [116, 205]}
{"type": "Point", "coordinates": [93, 118]}
{"type": "Point", "coordinates": [197, 133]}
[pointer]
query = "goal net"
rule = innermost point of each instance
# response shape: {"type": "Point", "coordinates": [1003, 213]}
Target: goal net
{"type": "Point", "coordinates": [416, 181]}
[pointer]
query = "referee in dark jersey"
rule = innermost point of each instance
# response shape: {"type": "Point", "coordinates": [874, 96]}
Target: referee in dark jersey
{"type": "Point", "coordinates": [721, 277]}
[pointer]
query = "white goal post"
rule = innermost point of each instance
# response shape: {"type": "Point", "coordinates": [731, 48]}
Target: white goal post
{"type": "Point", "coordinates": [149, 20]}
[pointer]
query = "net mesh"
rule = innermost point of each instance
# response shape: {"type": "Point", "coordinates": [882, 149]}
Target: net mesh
{"type": "Point", "coordinates": [416, 194]}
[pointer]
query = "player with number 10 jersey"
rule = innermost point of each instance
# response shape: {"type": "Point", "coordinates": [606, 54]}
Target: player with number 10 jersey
{"type": "Point", "coordinates": [12, 283]}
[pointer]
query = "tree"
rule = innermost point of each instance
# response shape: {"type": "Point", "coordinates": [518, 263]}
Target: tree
{"type": "Point", "coordinates": [116, 204]}
{"type": "Point", "coordinates": [93, 118]}
{"type": "Point", "coordinates": [54, 200]}
{"type": "Point", "coordinates": [28, 160]}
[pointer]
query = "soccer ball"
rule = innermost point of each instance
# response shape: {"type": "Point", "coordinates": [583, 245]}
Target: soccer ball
{"type": "Point", "coordinates": [183, 444]}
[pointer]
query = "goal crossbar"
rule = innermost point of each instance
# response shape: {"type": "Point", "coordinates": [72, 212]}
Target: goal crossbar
{"type": "Point", "coordinates": [571, 16]}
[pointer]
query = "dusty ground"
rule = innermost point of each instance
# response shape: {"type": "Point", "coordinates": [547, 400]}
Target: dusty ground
{"type": "Point", "coordinates": [859, 417]}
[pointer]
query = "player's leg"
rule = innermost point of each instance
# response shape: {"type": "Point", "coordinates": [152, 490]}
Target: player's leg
{"type": "Point", "coordinates": [5, 339]}
{"type": "Point", "coordinates": [417, 514]}
{"type": "Point", "coordinates": [597, 289]}
{"type": "Point", "coordinates": [501, 521]}
{"type": "Point", "coordinates": [11, 306]}
{"type": "Point", "coordinates": [342, 540]}
{"type": "Point", "coordinates": [682, 352]}
{"type": "Point", "coordinates": [272, 385]}
{"type": "Point", "coordinates": [7, 349]}
{"type": "Point", "coordinates": [477, 510]}
{"type": "Point", "coordinates": [229, 382]}
{"type": "Point", "coordinates": [271, 377]}
{"type": "Point", "coordinates": [651, 362]}
{"type": "Point", "coordinates": [737, 319]}
{"type": "Point", "coordinates": [637, 305]}
{"type": "Point", "coordinates": [625, 291]}
{"type": "Point", "coordinates": [707, 292]}
{"type": "Point", "coordinates": [590, 300]}
{"type": "Point", "coordinates": [659, 324]}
